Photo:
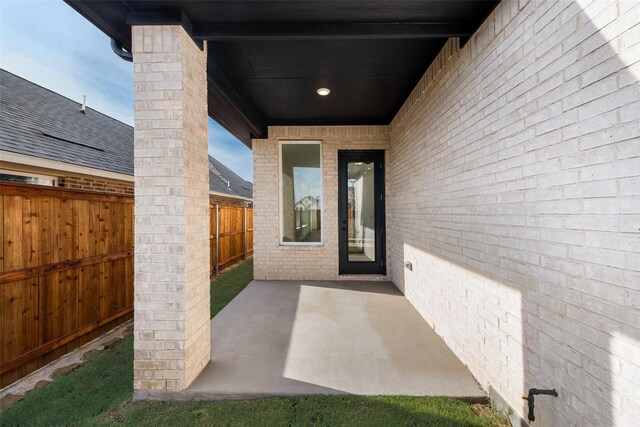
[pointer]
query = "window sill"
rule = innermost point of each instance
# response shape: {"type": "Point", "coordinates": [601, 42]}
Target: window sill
{"type": "Point", "coordinates": [290, 246]}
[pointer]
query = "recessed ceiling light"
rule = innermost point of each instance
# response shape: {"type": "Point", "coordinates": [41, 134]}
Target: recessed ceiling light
{"type": "Point", "coordinates": [323, 91]}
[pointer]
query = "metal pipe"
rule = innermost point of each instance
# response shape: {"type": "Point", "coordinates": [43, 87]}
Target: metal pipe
{"type": "Point", "coordinates": [217, 239]}
{"type": "Point", "coordinates": [117, 48]}
{"type": "Point", "coordinates": [83, 108]}
{"type": "Point", "coordinates": [531, 399]}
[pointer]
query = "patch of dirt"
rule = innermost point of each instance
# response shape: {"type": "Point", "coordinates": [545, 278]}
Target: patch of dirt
{"type": "Point", "coordinates": [65, 370]}
{"type": "Point", "coordinates": [92, 353]}
{"type": "Point", "coordinates": [9, 400]}
{"type": "Point", "coordinates": [40, 384]}
{"type": "Point", "coordinates": [111, 342]}
{"type": "Point", "coordinates": [489, 413]}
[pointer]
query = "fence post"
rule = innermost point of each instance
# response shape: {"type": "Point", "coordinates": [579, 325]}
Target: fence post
{"type": "Point", "coordinates": [217, 238]}
{"type": "Point", "coordinates": [244, 244]}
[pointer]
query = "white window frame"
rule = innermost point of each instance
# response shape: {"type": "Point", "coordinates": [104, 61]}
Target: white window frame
{"type": "Point", "coordinates": [281, 200]}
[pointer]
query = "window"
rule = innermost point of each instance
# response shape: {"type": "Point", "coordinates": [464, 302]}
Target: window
{"type": "Point", "coordinates": [27, 178]}
{"type": "Point", "coordinates": [300, 193]}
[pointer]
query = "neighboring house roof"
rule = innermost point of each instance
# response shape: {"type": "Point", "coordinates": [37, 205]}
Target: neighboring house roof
{"type": "Point", "coordinates": [307, 201]}
{"type": "Point", "coordinates": [38, 122]}
{"type": "Point", "coordinates": [223, 180]}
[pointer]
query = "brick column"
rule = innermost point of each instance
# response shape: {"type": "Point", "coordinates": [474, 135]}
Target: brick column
{"type": "Point", "coordinates": [171, 335]}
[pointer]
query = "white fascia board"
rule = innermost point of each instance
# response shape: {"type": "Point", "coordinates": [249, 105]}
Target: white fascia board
{"type": "Point", "coordinates": [23, 159]}
{"type": "Point", "coordinates": [230, 196]}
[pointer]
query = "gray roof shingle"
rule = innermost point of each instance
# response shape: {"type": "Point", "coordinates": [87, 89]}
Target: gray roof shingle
{"type": "Point", "coordinates": [41, 123]}
{"type": "Point", "coordinates": [223, 180]}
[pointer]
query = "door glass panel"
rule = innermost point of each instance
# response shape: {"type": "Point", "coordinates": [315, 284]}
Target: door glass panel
{"type": "Point", "coordinates": [361, 220]}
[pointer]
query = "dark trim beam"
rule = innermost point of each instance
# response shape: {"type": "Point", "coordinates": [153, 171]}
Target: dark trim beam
{"type": "Point", "coordinates": [303, 31]}
{"type": "Point", "coordinates": [238, 111]}
{"type": "Point", "coordinates": [331, 31]}
{"type": "Point", "coordinates": [165, 17]}
{"type": "Point", "coordinates": [225, 116]}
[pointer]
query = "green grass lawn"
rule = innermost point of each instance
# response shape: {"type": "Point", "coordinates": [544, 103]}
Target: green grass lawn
{"type": "Point", "coordinates": [99, 393]}
{"type": "Point", "coordinates": [229, 284]}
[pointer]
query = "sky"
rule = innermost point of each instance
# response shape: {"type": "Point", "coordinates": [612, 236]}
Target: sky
{"type": "Point", "coordinates": [50, 44]}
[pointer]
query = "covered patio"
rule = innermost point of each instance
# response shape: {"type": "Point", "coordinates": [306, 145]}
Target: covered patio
{"type": "Point", "coordinates": [286, 338]}
{"type": "Point", "coordinates": [480, 155]}
{"type": "Point", "coordinates": [311, 87]}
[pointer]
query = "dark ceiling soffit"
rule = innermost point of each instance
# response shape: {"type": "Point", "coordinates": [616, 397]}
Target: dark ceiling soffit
{"type": "Point", "coordinates": [167, 17]}
{"type": "Point", "coordinates": [331, 31]}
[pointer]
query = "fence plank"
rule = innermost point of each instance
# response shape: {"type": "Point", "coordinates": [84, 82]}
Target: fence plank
{"type": "Point", "coordinates": [103, 289]}
{"type": "Point", "coordinates": [89, 217]}
{"type": "Point", "coordinates": [20, 311]}
{"type": "Point", "coordinates": [13, 233]}
{"type": "Point", "coordinates": [30, 232]}
{"type": "Point", "coordinates": [89, 294]}
{"type": "Point", "coordinates": [58, 304]}
{"type": "Point", "coordinates": [249, 231]}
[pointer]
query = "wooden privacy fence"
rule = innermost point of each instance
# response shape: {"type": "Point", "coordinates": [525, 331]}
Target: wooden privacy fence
{"type": "Point", "coordinates": [231, 235]}
{"type": "Point", "coordinates": [66, 272]}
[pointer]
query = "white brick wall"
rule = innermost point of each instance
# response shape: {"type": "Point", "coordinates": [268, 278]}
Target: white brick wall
{"type": "Point", "coordinates": [515, 193]}
{"type": "Point", "coordinates": [171, 328]}
{"type": "Point", "coordinates": [273, 261]}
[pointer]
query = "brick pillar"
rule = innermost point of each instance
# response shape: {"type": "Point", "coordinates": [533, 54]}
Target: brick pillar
{"type": "Point", "coordinates": [171, 333]}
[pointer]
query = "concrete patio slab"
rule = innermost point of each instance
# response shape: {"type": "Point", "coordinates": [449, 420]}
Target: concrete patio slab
{"type": "Point", "coordinates": [318, 337]}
